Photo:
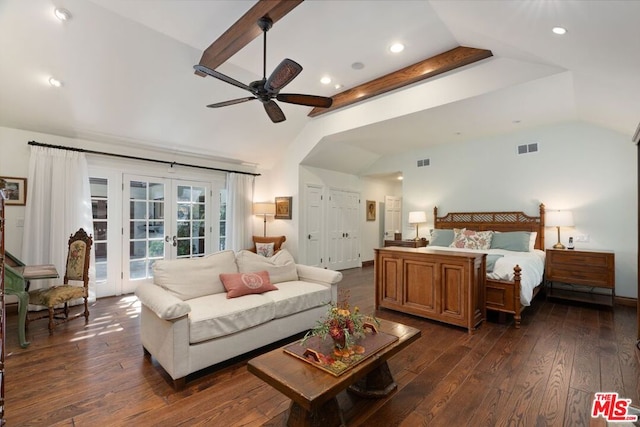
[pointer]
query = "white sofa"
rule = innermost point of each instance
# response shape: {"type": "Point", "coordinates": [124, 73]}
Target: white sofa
{"type": "Point", "coordinates": [187, 323]}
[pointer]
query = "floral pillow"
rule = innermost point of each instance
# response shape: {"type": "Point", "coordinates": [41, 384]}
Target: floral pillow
{"type": "Point", "coordinates": [265, 249]}
{"type": "Point", "coordinates": [469, 239]}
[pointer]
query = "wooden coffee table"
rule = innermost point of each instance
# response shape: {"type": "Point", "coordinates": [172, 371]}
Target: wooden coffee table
{"type": "Point", "coordinates": [313, 392]}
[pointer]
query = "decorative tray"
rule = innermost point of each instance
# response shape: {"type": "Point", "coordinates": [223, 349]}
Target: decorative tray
{"type": "Point", "coordinates": [323, 354]}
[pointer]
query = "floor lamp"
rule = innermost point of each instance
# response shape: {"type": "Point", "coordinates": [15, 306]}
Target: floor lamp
{"type": "Point", "coordinates": [559, 219]}
{"type": "Point", "coordinates": [265, 209]}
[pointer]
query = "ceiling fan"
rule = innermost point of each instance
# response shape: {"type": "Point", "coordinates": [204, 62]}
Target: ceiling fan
{"type": "Point", "coordinates": [266, 89]}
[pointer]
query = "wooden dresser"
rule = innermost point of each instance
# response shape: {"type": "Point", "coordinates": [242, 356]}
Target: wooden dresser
{"type": "Point", "coordinates": [591, 274]}
{"type": "Point", "coordinates": [406, 243]}
{"type": "Point", "coordinates": [441, 285]}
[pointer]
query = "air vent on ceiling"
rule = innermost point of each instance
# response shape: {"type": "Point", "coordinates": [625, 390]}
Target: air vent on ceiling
{"type": "Point", "coordinates": [423, 162]}
{"type": "Point", "coordinates": [528, 148]}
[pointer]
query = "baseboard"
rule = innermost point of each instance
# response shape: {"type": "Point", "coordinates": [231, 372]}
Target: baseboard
{"type": "Point", "coordinates": [630, 302]}
{"type": "Point", "coordinates": [367, 263]}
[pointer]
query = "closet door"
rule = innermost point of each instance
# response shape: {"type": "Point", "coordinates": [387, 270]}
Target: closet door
{"type": "Point", "coordinates": [392, 216]}
{"type": "Point", "coordinates": [313, 225]}
{"type": "Point", "coordinates": [343, 231]}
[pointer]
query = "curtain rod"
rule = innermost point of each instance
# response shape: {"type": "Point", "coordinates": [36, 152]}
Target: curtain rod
{"type": "Point", "coordinates": [124, 156]}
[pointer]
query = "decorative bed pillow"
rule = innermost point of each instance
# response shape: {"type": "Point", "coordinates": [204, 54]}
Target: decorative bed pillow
{"type": "Point", "coordinates": [441, 237]}
{"type": "Point", "coordinates": [469, 239]}
{"type": "Point", "coordinates": [276, 240]}
{"type": "Point", "coordinates": [264, 249]}
{"type": "Point", "coordinates": [517, 241]}
{"type": "Point", "coordinates": [281, 266]}
{"type": "Point", "coordinates": [239, 284]}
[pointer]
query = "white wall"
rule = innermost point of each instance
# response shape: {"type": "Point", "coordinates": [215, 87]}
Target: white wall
{"type": "Point", "coordinates": [581, 167]}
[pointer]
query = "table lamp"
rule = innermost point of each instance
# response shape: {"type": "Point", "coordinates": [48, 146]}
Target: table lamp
{"type": "Point", "coordinates": [416, 218]}
{"type": "Point", "coordinates": [559, 219]}
{"type": "Point", "coordinates": [265, 209]}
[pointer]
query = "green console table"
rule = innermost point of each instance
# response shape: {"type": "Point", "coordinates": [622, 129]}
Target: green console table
{"type": "Point", "coordinates": [16, 282]}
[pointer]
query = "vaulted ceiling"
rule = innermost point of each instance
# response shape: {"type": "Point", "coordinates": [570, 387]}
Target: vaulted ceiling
{"type": "Point", "coordinates": [127, 71]}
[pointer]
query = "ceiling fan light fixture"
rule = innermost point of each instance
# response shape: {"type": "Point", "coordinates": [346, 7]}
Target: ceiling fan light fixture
{"type": "Point", "coordinates": [396, 48]}
{"type": "Point", "coordinates": [62, 14]}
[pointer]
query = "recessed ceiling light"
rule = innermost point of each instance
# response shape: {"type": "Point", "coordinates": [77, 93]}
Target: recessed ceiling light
{"type": "Point", "coordinates": [62, 14]}
{"type": "Point", "coordinates": [400, 178]}
{"type": "Point", "coordinates": [54, 82]}
{"type": "Point", "coordinates": [396, 47]}
{"type": "Point", "coordinates": [559, 30]}
{"type": "Point", "coordinates": [338, 86]}
{"type": "Point", "coordinates": [325, 80]}
{"type": "Point", "coordinates": [357, 65]}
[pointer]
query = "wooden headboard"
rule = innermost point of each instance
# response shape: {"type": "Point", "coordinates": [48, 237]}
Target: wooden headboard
{"type": "Point", "coordinates": [496, 221]}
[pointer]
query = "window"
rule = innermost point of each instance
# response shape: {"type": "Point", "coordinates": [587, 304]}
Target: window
{"type": "Point", "coordinates": [222, 241]}
{"type": "Point", "coordinates": [99, 191]}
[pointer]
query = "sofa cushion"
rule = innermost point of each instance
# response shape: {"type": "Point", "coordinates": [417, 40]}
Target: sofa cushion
{"type": "Point", "coordinates": [213, 316]}
{"type": "Point", "coordinates": [239, 284]}
{"type": "Point", "coordinates": [194, 277]}
{"type": "Point", "coordinates": [281, 266]}
{"type": "Point", "coordinates": [297, 296]}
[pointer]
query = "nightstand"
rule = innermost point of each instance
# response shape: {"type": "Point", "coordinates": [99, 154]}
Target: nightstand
{"type": "Point", "coordinates": [407, 243]}
{"type": "Point", "coordinates": [590, 274]}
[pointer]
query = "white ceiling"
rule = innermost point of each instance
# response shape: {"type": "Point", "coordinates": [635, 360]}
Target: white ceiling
{"type": "Point", "coordinates": [126, 67]}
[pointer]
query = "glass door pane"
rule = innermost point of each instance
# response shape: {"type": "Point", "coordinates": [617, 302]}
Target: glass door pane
{"type": "Point", "coordinates": [144, 228]}
{"type": "Point", "coordinates": [191, 219]}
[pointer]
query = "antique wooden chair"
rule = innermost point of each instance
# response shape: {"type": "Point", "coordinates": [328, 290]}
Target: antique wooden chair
{"type": "Point", "coordinates": [77, 269]}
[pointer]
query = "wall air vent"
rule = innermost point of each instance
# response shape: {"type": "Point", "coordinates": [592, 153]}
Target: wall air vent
{"type": "Point", "coordinates": [423, 162]}
{"type": "Point", "coordinates": [528, 148]}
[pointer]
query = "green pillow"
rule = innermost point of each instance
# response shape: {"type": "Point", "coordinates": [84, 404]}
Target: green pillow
{"type": "Point", "coordinates": [441, 237]}
{"type": "Point", "coordinates": [517, 241]}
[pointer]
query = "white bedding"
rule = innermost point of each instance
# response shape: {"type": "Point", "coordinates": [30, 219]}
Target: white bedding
{"type": "Point", "coordinates": [531, 263]}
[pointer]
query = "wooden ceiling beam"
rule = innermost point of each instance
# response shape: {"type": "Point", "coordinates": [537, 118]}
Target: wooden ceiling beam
{"type": "Point", "coordinates": [430, 67]}
{"type": "Point", "coordinates": [244, 31]}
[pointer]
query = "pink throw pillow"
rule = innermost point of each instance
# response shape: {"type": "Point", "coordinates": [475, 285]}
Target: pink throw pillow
{"type": "Point", "coordinates": [239, 284]}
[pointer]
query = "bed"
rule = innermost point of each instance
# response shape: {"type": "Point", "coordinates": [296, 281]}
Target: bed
{"type": "Point", "coordinates": [515, 279]}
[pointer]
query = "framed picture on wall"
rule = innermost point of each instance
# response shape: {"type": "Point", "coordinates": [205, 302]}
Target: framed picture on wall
{"type": "Point", "coordinates": [371, 210]}
{"type": "Point", "coordinates": [15, 189]}
{"type": "Point", "coordinates": [283, 207]}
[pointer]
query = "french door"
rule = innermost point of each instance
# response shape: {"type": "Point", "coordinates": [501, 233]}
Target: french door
{"type": "Point", "coordinates": [162, 219]}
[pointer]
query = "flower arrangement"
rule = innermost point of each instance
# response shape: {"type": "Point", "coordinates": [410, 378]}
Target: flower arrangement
{"type": "Point", "coordinates": [342, 324]}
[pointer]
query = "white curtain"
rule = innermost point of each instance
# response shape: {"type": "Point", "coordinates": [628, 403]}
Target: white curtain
{"type": "Point", "coordinates": [239, 211]}
{"type": "Point", "coordinates": [58, 204]}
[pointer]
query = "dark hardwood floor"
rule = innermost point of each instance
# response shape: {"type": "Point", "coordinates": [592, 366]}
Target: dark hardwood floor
{"type": "Point", "coordinates": [542, 374]}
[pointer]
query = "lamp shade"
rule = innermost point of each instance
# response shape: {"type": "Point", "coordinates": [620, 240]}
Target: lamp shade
{"type": "Point", "coordinates": [264, 208]}
{"type": "Point", "coordinates": [417, 217]}
{"type": "Point", "coordinates": [559, 219]}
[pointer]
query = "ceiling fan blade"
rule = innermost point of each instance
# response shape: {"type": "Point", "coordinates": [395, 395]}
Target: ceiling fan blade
{"type": "Point", "coordinates": [286, 71]}
{"type": "Point", "coordinates": [274, 112]}
{"type": "Point", "coordinates": [220, 76]}
{"type": "Point", "coordinates": [310, 100]}
{"type": "Point", "coordinates": [231, 102]}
